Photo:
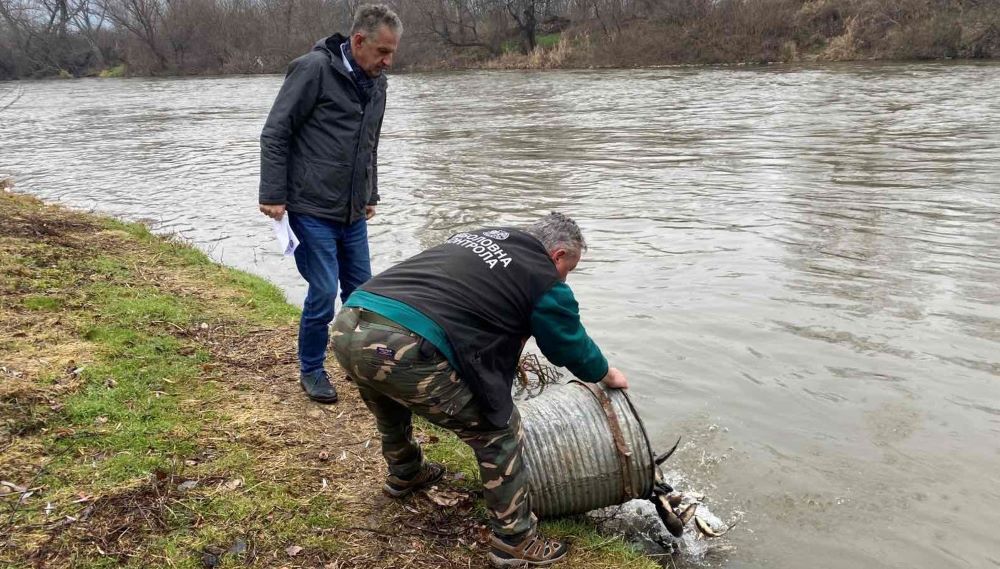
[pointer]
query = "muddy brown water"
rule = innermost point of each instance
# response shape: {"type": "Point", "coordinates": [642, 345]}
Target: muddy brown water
{"type": "Point", "coordinates": [798, 267]}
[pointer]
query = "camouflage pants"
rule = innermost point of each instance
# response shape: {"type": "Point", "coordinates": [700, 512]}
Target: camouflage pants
{"type": "Point", "coordinates": [398, 373]}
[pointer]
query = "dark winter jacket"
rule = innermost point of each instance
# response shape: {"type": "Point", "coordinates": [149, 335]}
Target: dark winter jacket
{"type": "Point", "coordinates": [319, 145]}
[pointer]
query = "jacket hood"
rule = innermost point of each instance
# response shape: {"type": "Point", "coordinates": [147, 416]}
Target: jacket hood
{"type": "Point", "coordinates": [331, 47]}
{"type": "Point", "coordinates": [330, 44]}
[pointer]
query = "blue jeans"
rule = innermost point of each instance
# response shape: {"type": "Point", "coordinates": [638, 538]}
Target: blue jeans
{"type": "Point", "coordinates": [328, 252]}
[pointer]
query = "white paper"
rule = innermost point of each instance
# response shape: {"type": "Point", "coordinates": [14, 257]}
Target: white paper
{"type": "Point", "coordinates": [286, 238]}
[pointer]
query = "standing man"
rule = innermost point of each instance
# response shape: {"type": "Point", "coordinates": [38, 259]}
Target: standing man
{"type": "Point", "coordinates": [440, 335]}
{"type": "Point", "coordinates": [318, 163]}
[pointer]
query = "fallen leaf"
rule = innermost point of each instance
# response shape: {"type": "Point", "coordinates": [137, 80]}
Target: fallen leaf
{"type": "Point", "coordinates": [293, 550]}
{"type": "Point", "coordinates": [445, 498]}
{"type": "Point", "coordinates": [13, 487]}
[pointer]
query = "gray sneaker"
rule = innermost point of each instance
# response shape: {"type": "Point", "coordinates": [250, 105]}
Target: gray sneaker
{"type": "Point", "coordinates": [317, 386]}
{"type": "Point", "coordinates": [429, 474]}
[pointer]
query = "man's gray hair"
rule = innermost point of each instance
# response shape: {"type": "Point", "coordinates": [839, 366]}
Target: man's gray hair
{"type": "Point", "coordinates": [370, 16]}
{"type": "Point", "coordinates": [558, 231]}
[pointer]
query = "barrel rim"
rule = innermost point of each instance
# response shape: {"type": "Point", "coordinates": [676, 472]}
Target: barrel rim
{"type": "Point", "coordinates": [649, 445]}
{"type": "Point", "coordinates": [645, 437]}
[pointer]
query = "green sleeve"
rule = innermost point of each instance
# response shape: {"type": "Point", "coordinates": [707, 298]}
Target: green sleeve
{"type": "Point", "coordinates": [556, 326]}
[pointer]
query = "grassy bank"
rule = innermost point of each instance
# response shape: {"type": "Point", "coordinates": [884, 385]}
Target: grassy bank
{"type": "Point", "coordinates": [150, 416]}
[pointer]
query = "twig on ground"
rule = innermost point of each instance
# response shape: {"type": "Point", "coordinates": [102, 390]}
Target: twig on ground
{"type": "Point", "coordinates": [433, 531]}
{"type": "Point", "coordinates": [6, 530]}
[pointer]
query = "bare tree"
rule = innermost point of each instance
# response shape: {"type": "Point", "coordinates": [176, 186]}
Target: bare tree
{"type": "Point", "coordinates": [88, 20]}
{"type": "Point", "coordinates": [526, 14]}
{"type": "Point", "coordinates": [455, 23]}
{"type": "Point", "coordinates": [142, 19]}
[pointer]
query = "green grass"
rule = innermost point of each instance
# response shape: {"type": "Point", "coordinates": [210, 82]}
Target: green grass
{"type": "Point", "coordinates": [42, 303]}
{"type": "Point", "coordinates": [124, 420]}
{"type": "Point", "coordinates": [258, 300]}
{"type": "Point", "coordinates": [449, 451]}
{"type": "Point", "coordinates": [606, 550]}
{"type": "Point", "coordinates": [548, 41]}
{"type": "Point", "coordinates": [113, 72]}
{"type": "Point", "coordinates": [544, 41]}
{"type": "Point", "coordinates": [263, 300]}
{"type": "Point", "coordinates": [126, 411]}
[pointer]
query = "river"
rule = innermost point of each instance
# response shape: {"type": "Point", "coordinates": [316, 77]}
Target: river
{"type": "Point", "coordinates": [797, 266]}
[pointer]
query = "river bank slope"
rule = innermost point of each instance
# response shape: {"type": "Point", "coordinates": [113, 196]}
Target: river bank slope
{"type": "Point", "coordinates": [150, 416]}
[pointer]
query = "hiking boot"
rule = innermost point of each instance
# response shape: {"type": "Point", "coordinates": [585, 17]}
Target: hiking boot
{"type": "Point", "coordinates": [532, 550]}
{"type": "Point", "coordinates": [317, 386]}
{"type": "Point", "coordinates": [429, 474]}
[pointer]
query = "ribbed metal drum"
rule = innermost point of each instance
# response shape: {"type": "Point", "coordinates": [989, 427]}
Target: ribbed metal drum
{"type": "Point", "coordinates": [574, 460]}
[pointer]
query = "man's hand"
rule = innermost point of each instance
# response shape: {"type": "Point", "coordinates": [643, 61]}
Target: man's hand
{"type": "Point", "coordinates": [369, 211]}
{"type": "Point", "coordinates": [273, 211]}
{"type": "Point", "coordinates": [615, 379]}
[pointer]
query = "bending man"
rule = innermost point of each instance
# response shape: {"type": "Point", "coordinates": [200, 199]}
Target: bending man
{"type": "Point", "coordinates": [440, 335]}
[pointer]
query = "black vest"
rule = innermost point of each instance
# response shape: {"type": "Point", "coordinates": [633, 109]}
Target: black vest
{"type": "Point", "coordinates": [480, 288]}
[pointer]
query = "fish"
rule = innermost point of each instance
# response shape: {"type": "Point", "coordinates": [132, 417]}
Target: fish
{"type": "Point", "coordinates": [675, 499]}
{"type": "Point", "coordinates": [688, 513]}
{"type": "Point", "coordinates": [707, 530]}
{"type": "Point", "coordinates": [673, 524]}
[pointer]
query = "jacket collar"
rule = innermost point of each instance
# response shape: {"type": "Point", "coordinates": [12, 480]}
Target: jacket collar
{"type": "Point", "coordinates": [331, 46]}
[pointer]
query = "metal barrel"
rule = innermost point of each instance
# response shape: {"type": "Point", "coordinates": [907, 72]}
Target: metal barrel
{"type": "Point", "coordinates": [585, 448]}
